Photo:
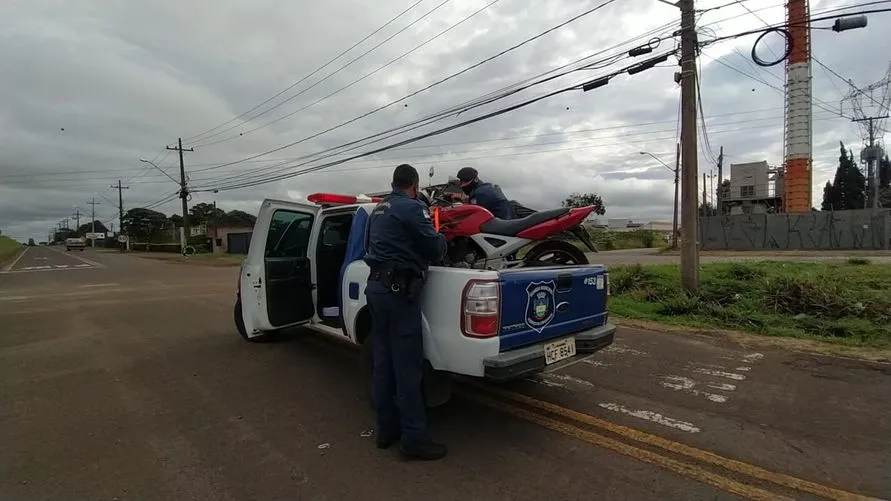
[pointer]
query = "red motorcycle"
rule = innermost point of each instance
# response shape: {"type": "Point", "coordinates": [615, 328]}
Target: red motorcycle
{"type": "Point", "coordinates": [477, 239]}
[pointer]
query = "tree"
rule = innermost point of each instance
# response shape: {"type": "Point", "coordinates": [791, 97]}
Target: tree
{"type": "Point", "coordinates": [584, 200]}
{"type": "Point", "coordinates": [204, 213]}
{"type": "Point", "coordinates": [176, 219]}
{"type": "Point", "coordinates": [143, 224]}
{"type": "Point", "coordinates": [884, 173]}
{"type": "Point", "coordinates": [238, 218]}
{"type": "Point", "coordinates": [885, 197]}
{"type": "Point", "coordinates": [848, 189]}
{"type": "Point", "coordinates": [828, 197]}
{"type": "Point", "coordinates": [85, 228]}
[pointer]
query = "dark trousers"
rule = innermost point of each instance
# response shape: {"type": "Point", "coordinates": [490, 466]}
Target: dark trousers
{"type": "Point", "coordinates": [398, 350]}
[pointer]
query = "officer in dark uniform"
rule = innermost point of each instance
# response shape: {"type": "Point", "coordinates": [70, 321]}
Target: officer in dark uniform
{"type": "Point", "coordinates": [401, 244]}
{"type": "Point", "coordinates": [484, 194]}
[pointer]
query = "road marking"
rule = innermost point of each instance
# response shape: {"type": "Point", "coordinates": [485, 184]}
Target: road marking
{"type": "Point", "coordinates": [652, 416]}
{"type": "Point", "coordinates": [687, 385]}
{"type": "Point", "coordinates": [623, 351]}
{"type": "Point", "coordinates": [704, 456]}
{"type": "Point", "coordinates": [595, 363]}
{"type": "Point", "coordinates": [80, 258]}
{"type": "Point", "coordinates": [681, 468]}
{"type": "Point", "coordinates": [568, 378]}
{"type": "Point", "coordinates": [99, 285]}
{"type": "Point", "coordinates": [743, 369]}
{"type": "Point", "coordinates": [16, 260]}
{"type": "Point", "coordinates": [721, 386]}
{"type": "Point", "coordinates": [728, 375]}
{"type": "Point", "coordinates": [753, 357]}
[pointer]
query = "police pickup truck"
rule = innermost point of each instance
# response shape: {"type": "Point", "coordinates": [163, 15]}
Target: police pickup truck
{"type": "Point", "coordinates": [304, 267]}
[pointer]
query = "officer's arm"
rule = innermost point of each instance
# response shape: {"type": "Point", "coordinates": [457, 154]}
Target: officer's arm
{"type": "Point", "coordinates": [432, 243]}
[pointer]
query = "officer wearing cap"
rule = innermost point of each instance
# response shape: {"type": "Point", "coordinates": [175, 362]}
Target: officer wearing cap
{"type": "Point", "coordinates": [401, 244]}
{"type": "Point", "coordinates": [483, 194]}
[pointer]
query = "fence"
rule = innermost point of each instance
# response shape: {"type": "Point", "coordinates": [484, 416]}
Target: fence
{"type": "Point", "coordinates": [824, 230]}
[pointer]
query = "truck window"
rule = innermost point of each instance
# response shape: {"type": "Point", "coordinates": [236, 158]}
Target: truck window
{"type": "Point", "coordinates": [288, 234]}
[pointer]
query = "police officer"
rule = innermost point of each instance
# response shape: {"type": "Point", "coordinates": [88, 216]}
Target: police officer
{"type": "Point", "coordinates": [402, 243]}
{"type": "Point", "coordinates": [484, 194]}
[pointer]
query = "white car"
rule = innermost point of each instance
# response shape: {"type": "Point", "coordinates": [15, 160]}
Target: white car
{"type": "Point", "coordinates": [304, 267]}
{"type": "Point", "coordinates": [77, 243]}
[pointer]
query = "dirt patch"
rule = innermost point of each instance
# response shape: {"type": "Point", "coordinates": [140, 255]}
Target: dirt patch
{"type": "Point", "coordinates": [746, 339]}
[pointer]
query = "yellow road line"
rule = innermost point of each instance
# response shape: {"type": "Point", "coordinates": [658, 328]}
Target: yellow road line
{"type": "Point", "coordinates": [684, 469]}
{"type": "Point", "coordinates": [683, 449]}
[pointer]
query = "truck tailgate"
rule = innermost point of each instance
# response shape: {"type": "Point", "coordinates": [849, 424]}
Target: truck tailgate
{"type": "Point", "coordinates": [538, 304]}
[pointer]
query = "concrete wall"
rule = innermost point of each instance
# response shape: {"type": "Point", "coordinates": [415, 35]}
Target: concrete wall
{"type": "Point", "coordinates": [858, 229]}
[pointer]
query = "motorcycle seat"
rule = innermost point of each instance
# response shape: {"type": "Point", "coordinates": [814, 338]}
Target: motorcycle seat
{"type": "Point", "coordinates": [510, 227]}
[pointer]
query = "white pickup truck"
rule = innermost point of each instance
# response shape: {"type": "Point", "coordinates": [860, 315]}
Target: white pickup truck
{"type": "Point", "coordinates": [304, 267]}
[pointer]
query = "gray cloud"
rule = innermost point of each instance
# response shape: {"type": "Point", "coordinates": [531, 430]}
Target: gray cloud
{"type": "Point", "coordinates": [125, 79]}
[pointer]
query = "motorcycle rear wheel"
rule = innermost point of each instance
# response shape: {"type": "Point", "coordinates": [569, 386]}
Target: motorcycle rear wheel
{"type": "Point", "coordinates": [554, 252]}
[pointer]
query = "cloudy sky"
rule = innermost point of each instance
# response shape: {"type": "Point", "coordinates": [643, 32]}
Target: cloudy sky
{"type": "Point", "coordinates": [90, 87]}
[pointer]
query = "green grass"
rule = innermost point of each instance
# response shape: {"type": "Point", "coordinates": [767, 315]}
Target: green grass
{"type": "Point", "coordinates": [619, 240]}
{"type": "Point", "coordinates": [8, 248]}
{"type": "Point", "coordinates": [846, 303]}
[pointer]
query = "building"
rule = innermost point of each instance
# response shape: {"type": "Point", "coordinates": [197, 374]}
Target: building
{"type": "Point", "coordinates": [754, 188]}
{"type": "Point", "coordinates": [231, 240]}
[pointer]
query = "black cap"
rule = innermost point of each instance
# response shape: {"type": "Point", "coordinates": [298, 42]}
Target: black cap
{"type": "Point", "coordinates": [467, 174]}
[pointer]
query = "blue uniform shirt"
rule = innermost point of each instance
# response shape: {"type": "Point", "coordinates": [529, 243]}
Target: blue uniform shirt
{"type": "Point", "coordinates": [491, 197]}
{"type": "Point", "coordinates": [400, 233]}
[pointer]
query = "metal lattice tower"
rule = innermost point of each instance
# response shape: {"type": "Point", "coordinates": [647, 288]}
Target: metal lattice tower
{"type": "Point", "coordinates": [871, 102]}
{"type": "Point", "coordinates": [869, 107]}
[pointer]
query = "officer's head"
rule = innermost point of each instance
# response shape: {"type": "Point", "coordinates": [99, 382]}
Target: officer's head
{"type": "Point", "coordinates": [467, 178]}
{"type": "Point", "coordinates": [406, 178]}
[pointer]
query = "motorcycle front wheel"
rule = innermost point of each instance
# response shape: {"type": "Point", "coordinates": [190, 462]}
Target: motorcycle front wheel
{"type": "Point", "coordinates": [554, 252]}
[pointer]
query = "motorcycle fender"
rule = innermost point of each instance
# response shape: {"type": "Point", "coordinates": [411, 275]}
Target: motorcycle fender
{"type": "Point", "coordinates": [582, 234]}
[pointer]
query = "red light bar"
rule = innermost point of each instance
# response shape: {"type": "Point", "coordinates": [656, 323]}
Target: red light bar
{"type": "Point", "coordinates": [336, 199]}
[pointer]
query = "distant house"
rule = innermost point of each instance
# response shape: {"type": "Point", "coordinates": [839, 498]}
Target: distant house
{"type": "Point", "coordinates": [232, 239]}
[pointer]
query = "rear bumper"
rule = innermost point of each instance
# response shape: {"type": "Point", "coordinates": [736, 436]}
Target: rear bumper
{"type": "Point", "coordinates": [529, 360]}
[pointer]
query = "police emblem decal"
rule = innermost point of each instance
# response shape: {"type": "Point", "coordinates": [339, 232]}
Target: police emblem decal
{"type": "Point", "coordinates": [540, 307]}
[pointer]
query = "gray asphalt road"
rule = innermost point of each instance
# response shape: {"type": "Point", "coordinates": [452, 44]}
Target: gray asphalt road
{"type": "Point", "coordinates": [127, 380]}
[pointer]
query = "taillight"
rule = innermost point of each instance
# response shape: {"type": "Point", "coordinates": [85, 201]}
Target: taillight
{"type": "Point", "coordinates": [480, 305]}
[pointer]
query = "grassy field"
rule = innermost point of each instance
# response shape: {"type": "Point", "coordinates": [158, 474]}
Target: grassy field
{"type": "Point", "coordinates": [618, 240]}
{"type": "Point", "coordinates": [8, 249]}
{"type": "Point", "coordinates": [846, 303]}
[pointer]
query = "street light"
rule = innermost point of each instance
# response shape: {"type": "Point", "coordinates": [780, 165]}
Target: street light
{"type": "Point", "coordinates": [676, 170]}
{"type": "Point", "coordinates": [160, 169]}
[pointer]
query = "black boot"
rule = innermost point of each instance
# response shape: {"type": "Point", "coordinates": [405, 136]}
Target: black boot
{"type": "Point", "coordinates": [429, 451]}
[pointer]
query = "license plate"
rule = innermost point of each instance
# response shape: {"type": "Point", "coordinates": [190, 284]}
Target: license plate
{"type": "Point", "coordinates": [559, 350]}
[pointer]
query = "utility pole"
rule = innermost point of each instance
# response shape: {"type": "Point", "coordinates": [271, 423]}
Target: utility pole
{"type": "Point", "coordinates": [871, 153]}
{"type": "Point", "coordinates": [94, 203]}
{"type": "Point", "coordinates": [183, 194]}
{"type": "Point", "coordinates": [76, 218]}
{"type": "Point", "coordinates": [120, 210]}
{"type": "Point", "coordinates": [677, 182]}
{"type": "Point", "coordinates": [690, 165]}
{"type": "Point", "coordinates": [718, 195]}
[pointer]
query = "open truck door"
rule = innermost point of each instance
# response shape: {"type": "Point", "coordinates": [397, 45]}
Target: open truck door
{"type": "Point", "coordinates": [276, 289]}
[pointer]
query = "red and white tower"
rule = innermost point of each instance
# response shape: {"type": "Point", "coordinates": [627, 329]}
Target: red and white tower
{"type": "Point", "coordinates": [797, 196]}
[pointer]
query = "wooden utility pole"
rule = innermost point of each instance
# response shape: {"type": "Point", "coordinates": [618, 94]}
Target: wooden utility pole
{"type": "Point", "coordinates": [677, 182]}
{"type": "Point", "coordinates": [719, 194]}
{"type": "Point", "coordinates": [120, 210]}
{"type": "Point", "coordinates": [183, 194]}
{"type": "Point", "coordinates": [93, 203]}
{"type": "Point", "coordinates": [690, 163]}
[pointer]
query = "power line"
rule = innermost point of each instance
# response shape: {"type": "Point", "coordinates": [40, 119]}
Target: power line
{"type": "Point", "coordinates": [330, 129]}
{"type": "Point", "coordinates": [320, 68]}
{"type": "Point", "coordinates": [354, 82]}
